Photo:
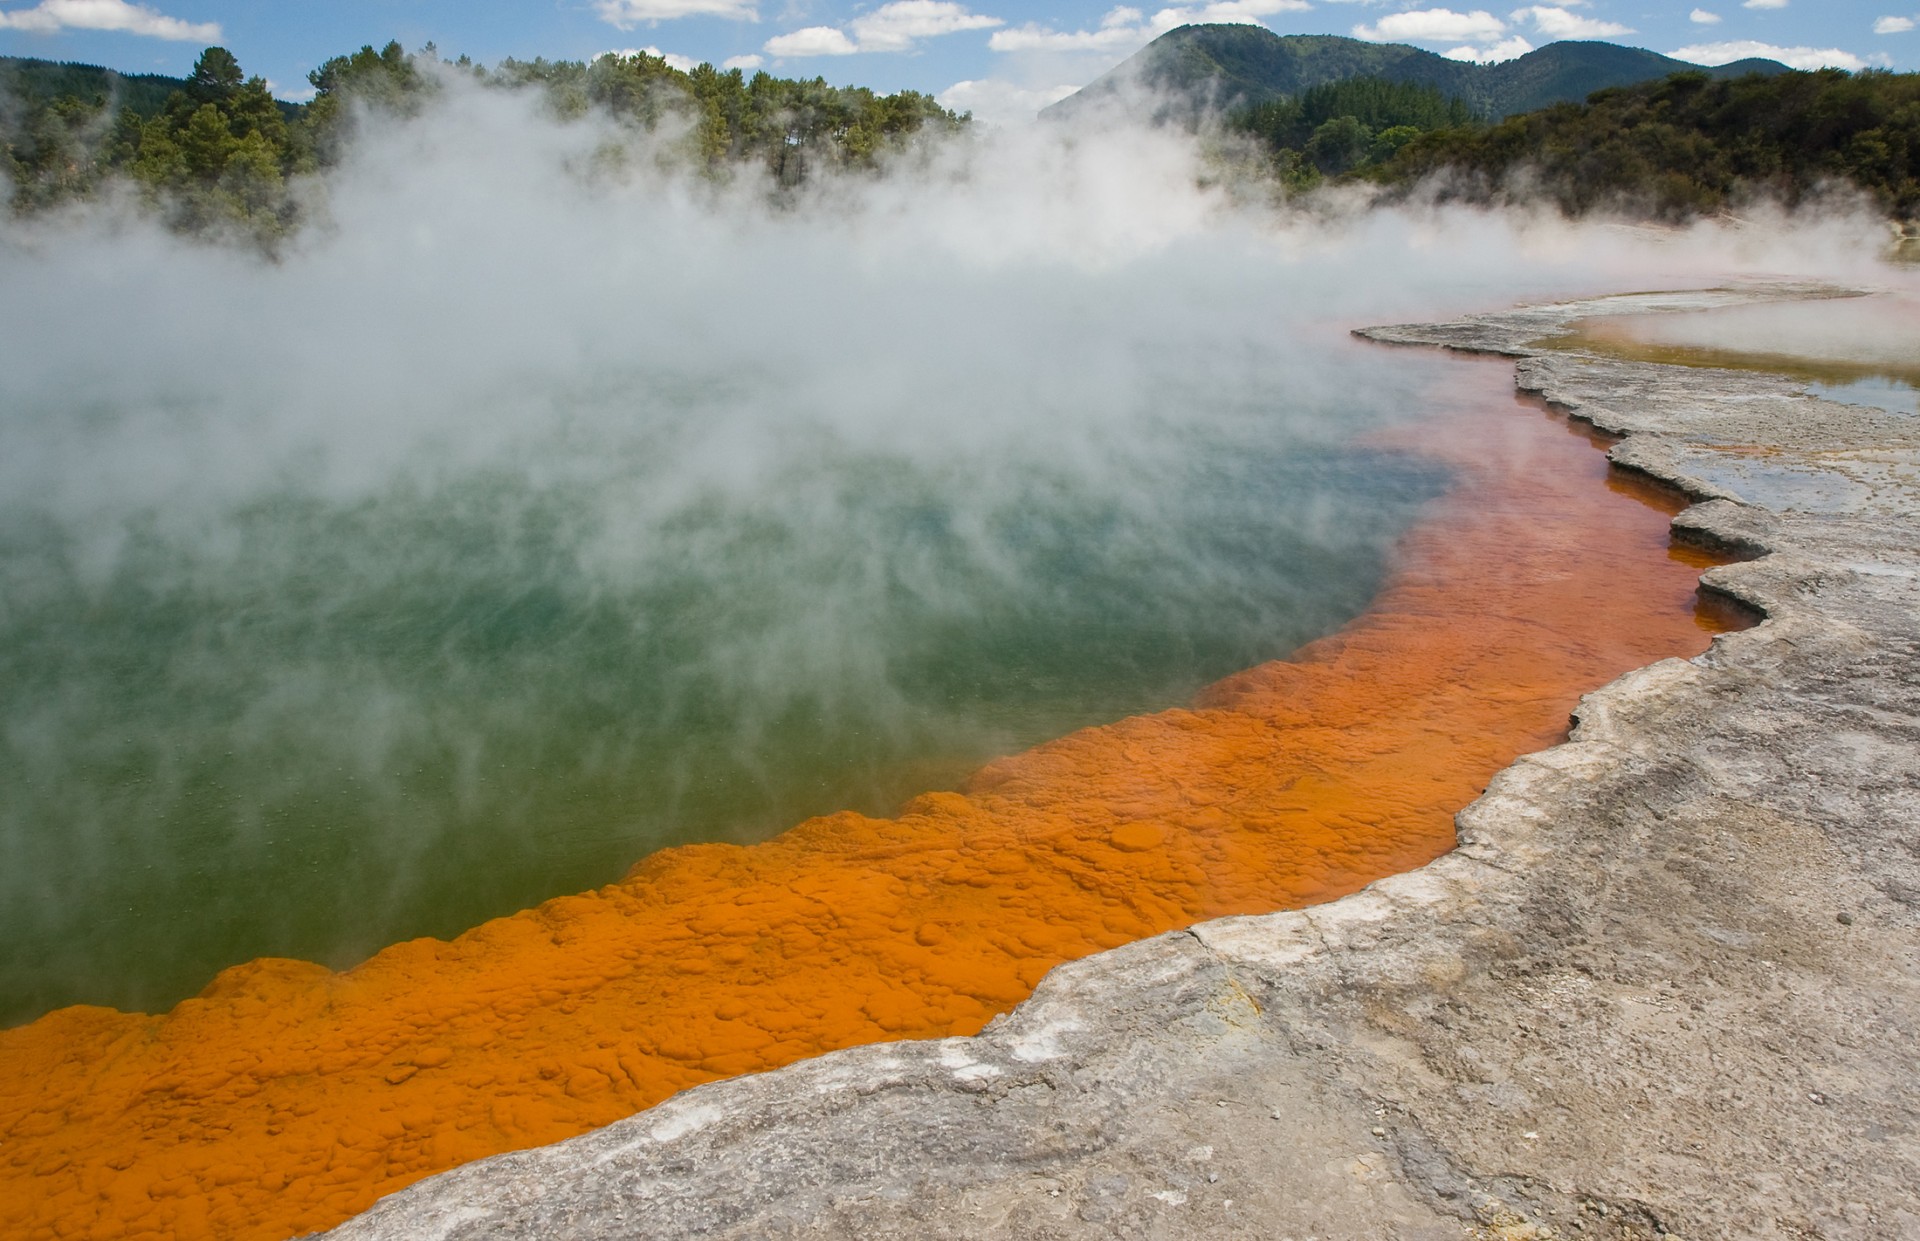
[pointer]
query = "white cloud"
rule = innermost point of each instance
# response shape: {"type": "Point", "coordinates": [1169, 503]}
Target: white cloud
{"type": "Point", "coordinates": [50, 16]}
{"type": "Point", "coordinates": [626, 14]}
{"type": "Point", "coordinates": [1557, 23]}
{"type": "Point", "coordinates": [299, 94]}
{"type": "Point", "coordinates": [1121, 27]}
{"type": "Point", "coordinates": [673, 59]}
{"type": "Point", "coordinates": [1127, 28]}
{"type": "Point", "coordinates": [1433, 26]}
{"type": "Point", "coordinates": [752, 60]}
{"type": "Point", "coordinates": [1000, 102]}
{"type": "Point", "coordinates": [1893, 25]}
{"type": "Point", "coordinates": [1244, 12]}
{"type": "Point", "coordinates": [811, 41]}
{"type": "Point", "coordinates": [1700, 17]}
{"type": "Point", "coordinates": [1793, 57]}
{"type": "Point", "coordinates": [1506, 49]}
{"type": "Point", "coordinates": [894, 27]}
{"type": "Point", "coordinates": [1763, 4]}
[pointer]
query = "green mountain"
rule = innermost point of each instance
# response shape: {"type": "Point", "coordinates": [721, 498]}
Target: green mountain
{"type": "Point", "coordinates": [35, 81]}
{"type": "Point", "coordinates": [1219, 68]}
{"type": "Point", "coordinates": [1674, 149]}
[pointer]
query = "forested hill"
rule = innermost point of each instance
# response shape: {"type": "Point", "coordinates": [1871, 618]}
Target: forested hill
{"type": "Point", "coordinates": [1685, 146]}
{"type": "Point", "coordinates": [215, 152]}
{"type": "Point", "coordinates": [1227, 68]}
{"type": "Point", "coordinates": [42, 81]}
{"type": "Point", "coordinates": [32, 82]}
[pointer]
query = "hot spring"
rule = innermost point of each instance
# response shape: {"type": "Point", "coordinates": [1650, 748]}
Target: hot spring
{"type": "Point", "coordinates": [299, 721]}
{"type": "Point", "coordinates": [517, 523]}
{"type": "Point", "coordinates": [526, 518]}
{"type": "Point", "coordinates": [512, 527]}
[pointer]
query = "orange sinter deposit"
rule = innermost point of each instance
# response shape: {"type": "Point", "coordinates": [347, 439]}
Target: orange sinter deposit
{"type": "Point", "coordinates": [287, 1097]}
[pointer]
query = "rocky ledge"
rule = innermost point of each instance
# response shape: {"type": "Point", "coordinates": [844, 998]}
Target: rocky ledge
{"type": "Point", "coordinates": [1669, 984]}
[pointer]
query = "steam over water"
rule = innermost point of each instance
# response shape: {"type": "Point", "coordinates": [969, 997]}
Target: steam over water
{"type": "Point", "coordinates": [527, 517]}
{"type": "Point", "coordinates": [317, 724]}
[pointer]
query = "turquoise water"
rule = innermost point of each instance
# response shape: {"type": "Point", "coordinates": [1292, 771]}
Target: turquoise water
{"type": "Point", "coordinates": [303, 722]}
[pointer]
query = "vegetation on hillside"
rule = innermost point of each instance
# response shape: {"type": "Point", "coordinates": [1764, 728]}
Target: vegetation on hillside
{"type": "Point", "coordinates": [220, 154]}
{"type": "Point", "coordinates": [1194, 72]}
{"type": "Point", "coordinates": [1688, 145]}
{"type": "Point", "coordinates": [1343, 126]}
{"type": "Point", "coordinates": [29, 81]}
{"type": "Point", "coordinates": [786, 125]}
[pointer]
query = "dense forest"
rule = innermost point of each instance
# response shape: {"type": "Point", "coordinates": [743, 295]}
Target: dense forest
{"type": "Point", "coordinates": [25, 79]}
{"type": "Point", "coordinates": [1340, 127]}
{"type": "Point", "coordinates": [1192, 73]}
{"type": "Point", "coordinates": [217, 153]}
{"type": "Point", "coordinates": [1686, 146]}
{"type": "Point", "coordinates": [1670, 150]}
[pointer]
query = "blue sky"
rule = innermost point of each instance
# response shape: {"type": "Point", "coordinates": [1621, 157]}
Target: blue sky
{"type": "Point", "coordinates": [1002, 60]}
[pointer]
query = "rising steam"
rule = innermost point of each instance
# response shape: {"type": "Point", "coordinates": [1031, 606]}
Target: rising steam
{"type": "Point", "coordinates": [542, 504]}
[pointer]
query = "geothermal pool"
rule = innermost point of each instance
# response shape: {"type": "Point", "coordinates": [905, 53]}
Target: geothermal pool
{"type": "Point", "coordinates": [286, 1097]}
{"type": "Point", "coordinates": [305, 724]}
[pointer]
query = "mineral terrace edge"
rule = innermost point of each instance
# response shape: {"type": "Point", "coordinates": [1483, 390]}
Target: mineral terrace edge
{"type": "Point", "coordinates": [1667, 986]}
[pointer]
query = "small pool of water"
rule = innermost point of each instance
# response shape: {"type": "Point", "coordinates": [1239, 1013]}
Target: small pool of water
{"type": "Point", "coordinates": [1880, 392]}
{"type": "Point", "coordinates": [1866, 350]}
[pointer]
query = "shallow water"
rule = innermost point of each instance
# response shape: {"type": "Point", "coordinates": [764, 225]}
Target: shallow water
{"type": "Point", "coordinates": [1866, 348]}
{"type": "Point", "coordinates": [1893, 395]}
{"type": "Point", "coordinates": [309, 725]}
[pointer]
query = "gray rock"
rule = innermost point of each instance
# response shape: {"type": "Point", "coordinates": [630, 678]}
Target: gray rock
{"type": "Point", "coordinates": [1624, 1007]}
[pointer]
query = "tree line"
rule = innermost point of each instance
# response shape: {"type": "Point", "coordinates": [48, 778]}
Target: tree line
{"type": "Point", "coordinates": [1691, 145]}
{"type": "Point", "coordinates": [1342, 127]}
{"type": "Point", "coordinates": [221, 154]}
{"type": "Point", "coordinates": [1670, 150]}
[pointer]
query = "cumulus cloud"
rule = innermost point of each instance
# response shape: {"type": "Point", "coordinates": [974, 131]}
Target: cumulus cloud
{"type": "Point", "coordinates": [811, 41]}
{"type": "Point", "coordinates": [1505, 49]}
{"type": "Point", "coordinates": [1893, 25]}
{"type": "Point", "coordinates": [1763, 4]}
{"type": "Point", "coordinates": [1000, 102]}
{"type": "Point", "coordinates": [674, 59]}
{"type": "Point", "coordinates": [752, 60]}
{"type": "Point", "coordinates": [51, 16]}
{"type": "Point", "coordinates": [1700, 17]}
{"type": "Point", "coordinates": [626, 14]}
{"type": "Point", "coordinates": [1227, 12]}
{"type": "Point", "coordinates": [1125, 27]}
{"type": "Point", "coordinates": [1792, 57]}
{"type": "Point", "coordinates": [1121, 27]}
{"type": "Point", "coordinates": [1558, 23]}
{"type": "Point", "coordinates": [1432, 26]}
{"type": "Point", "coordinates": [894, 27]}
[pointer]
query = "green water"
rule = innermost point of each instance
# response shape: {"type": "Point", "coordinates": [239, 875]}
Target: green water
{"type": "Point", "coordinates": [309, 725]}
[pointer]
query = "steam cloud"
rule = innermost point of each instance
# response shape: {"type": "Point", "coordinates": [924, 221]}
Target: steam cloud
{"type": "Point", "coordinates": [341, 594]}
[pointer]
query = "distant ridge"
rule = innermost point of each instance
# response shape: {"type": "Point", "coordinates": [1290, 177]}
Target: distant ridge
{"type": "Point", "coordinates": [36, 81]}
{"type": "Point", "coordinates": [1198, 69]}
{"type": "Point", "coordinates": [32, 79]}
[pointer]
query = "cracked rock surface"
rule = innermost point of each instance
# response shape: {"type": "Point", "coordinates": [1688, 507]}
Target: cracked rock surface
{"type": "Point", "coordinates": [1668, 986]}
